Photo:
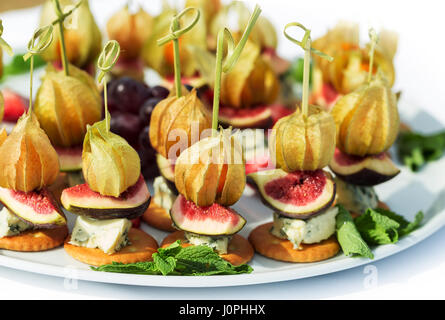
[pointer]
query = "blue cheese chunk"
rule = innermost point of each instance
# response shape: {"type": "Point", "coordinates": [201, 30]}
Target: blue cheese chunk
{"type": "Point", "coordinates": [313, 230]}
{"type": "Point", "coordinates": [164, 196]}
{"type": "Point", "coordinates": [217, 243]}
{"type": "Point", "coordinates": [109, 236]}
{"type": "Point", "coordinates": [356, 198]}
{"type": "Point", "coordinates": [10, 224]}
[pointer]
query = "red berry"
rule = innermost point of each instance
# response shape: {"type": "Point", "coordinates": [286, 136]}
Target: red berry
{"type": "Point", "coordinates": [15, 105]}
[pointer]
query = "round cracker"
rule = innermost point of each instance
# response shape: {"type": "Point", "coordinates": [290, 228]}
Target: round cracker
{"type": "Point", "coordinates": [239, 251]}
{"type": "Point", "coordinates": [35, 240]}
{"type": "Point", "coordinates": [158, 218]}
{"type": "Point", "coordinates": [270, 246]}
{"type": "Point", "coordinates": [142, 247]}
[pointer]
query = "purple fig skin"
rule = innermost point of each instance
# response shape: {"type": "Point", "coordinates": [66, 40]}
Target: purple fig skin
{"type": "Point", "coordinates": [306, 216]}
{"type": "Point", "coordinates": [363, 172]}
{"type": "Point", "coordinates": [46, 194]}
{"type": "Point", "coordinates": [366, 177]}
{"type": "Point", "coordinates": [110, 213]}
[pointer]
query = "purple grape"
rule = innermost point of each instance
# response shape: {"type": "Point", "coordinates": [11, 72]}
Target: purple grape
{"type": "Point", "coordinates": [159, 92]}
{"type": "Point", "coordinates": [127, 126]}
{"type": "Point", "coordinates": [127, 94]}
{"type": "Point", "coordinates": [149, 171]}
{"type": "Point", "coordinates": [146, 110]}
{"type": "Point", "coordinates": [144, 141]}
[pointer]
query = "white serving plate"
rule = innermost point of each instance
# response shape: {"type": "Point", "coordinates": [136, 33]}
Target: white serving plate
{"type": "Point", "coordinates": [406, 194]}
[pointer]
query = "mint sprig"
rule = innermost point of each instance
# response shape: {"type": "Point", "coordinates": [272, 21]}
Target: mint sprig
{"type": "Point", "coordinates": [348, 236]}
{"type": "Point", "coordinates": [380, 226]}
{"type": "Point", "coordinates": [176, 260]}
{"type": "Point", "coordinates": [374, 227]}
{"type": "Point", "coordinates": [415, 150]}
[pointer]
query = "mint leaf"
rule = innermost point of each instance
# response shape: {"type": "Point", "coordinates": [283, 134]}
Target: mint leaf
{"type": "Point", "coordinates": [405, 226]}
{"type": "Point", "coordinates": [416, 150]}
{"type": "Point", "coordinates": [377, 228]}
{"type": "Point", "coordinates": [19, 66]}
{"type": "Point", "coordinates": [165, 265]}
{"type": "Point", "coordinates": [380, 226]}
{"type": "Point", "coordinates": [133, 268]}
{"type": "Point", "coordinates": [348, 236]}
{"type": "Point", "coordinates": [404, 230]}
{"type": "Point", "coordinates": [202, 260]}
{"type": "Point", "coordinates": [176, 260]}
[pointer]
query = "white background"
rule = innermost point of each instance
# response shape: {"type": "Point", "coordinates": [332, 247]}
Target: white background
{"type": "Point", "coordinates": [414, 273]}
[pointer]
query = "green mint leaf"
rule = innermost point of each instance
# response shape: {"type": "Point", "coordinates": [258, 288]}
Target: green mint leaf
{"type": "Point", "coordinates": [165, 265]}
{"type": "Point", "coordinates": [380, 226]}
{"type": "Point", "coordinates": [172, 250]}
{"type": "Point", "coordinates": [202, 260]}
{"type": "Point", "coordinates": [149, 268]}
{"type": "Point", "coordinates": [348, 236]}
{"type": "Point", "coordinates": [377, 228]}
{"type": "Point", "coordinates": [176, 260]}
{"type": "Point", "coordinates": [19, 66]}
{"type": "Point", "coordinates": [415, 149]}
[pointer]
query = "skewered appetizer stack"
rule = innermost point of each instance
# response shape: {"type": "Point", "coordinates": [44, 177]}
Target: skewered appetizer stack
{"type": "Point", "coordinates": [181, 115]}
{"type": "Point", "coordinates": [164, 59]}
{"type": "Point", "coordinates": [31, 219]}
{"type": "Point", "coordinates": [349, 70]}
{"type": "Point", "coordinates": [367, 122]}
{"type": "Point", "coordinates": [78, 40]}
{"type": "Point", "coordinates": [68, 100]}
{"type": "Point", "coordinates": [299, 191]}
{"type": "Point", "coordinates": [210, 177]}
{"type": "Point", "coordinates": [131, 30]}
{"type": "Point", "coordinates": [114, 192]}
{"type": "Point", "coordinates": [249, 91]}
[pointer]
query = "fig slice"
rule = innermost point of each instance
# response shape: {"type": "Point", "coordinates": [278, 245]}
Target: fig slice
{"type": "Point", "coordinates": [130, 204]}
{"type": "Point", "coordinates": [70, 158]}
{"type": "Point", "coordinates": [212, 220]}
{"type": "Point", "coordinates": [37, 208]}
{"type": "Point", "coordinates": [300, 194]}
{"type": "Point", "coordinates": [166, 167]}
{"type": "Point", "coordinates": [256, 117]}
{"type": "Point", "coordinates": [363, 171]}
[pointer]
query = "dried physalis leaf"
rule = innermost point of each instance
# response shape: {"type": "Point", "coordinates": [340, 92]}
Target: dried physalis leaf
{"type": "Point", "coordinates": [83, 38]}
{"type": "Point", "coordinates": [185, 115]}
{"type": "Point", "coordinates": [131, 30]}
{"type": "Point", "coordinates": [109, 164]}
{"type": "Point", "coordinates": [65, 105]}
{"type": "Point", "coordinates": [161, 58]}
{"type": "Point", "coordinates": [344, 36]}
{"type": "Point", "coordinates": [303, 143]}
{"type": "Point", "coordinates": [349, 69]}
{"type": "Point", "coordinates": [367, 119]}
{"type": "Point", "coordinates": [252, 81]}
{"type": "Point", "coordinates": [262, 34]}
{"type": "Point", "coordinates": [212, 170]}
{"type": "Point", "coordinates": [29, 161]}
